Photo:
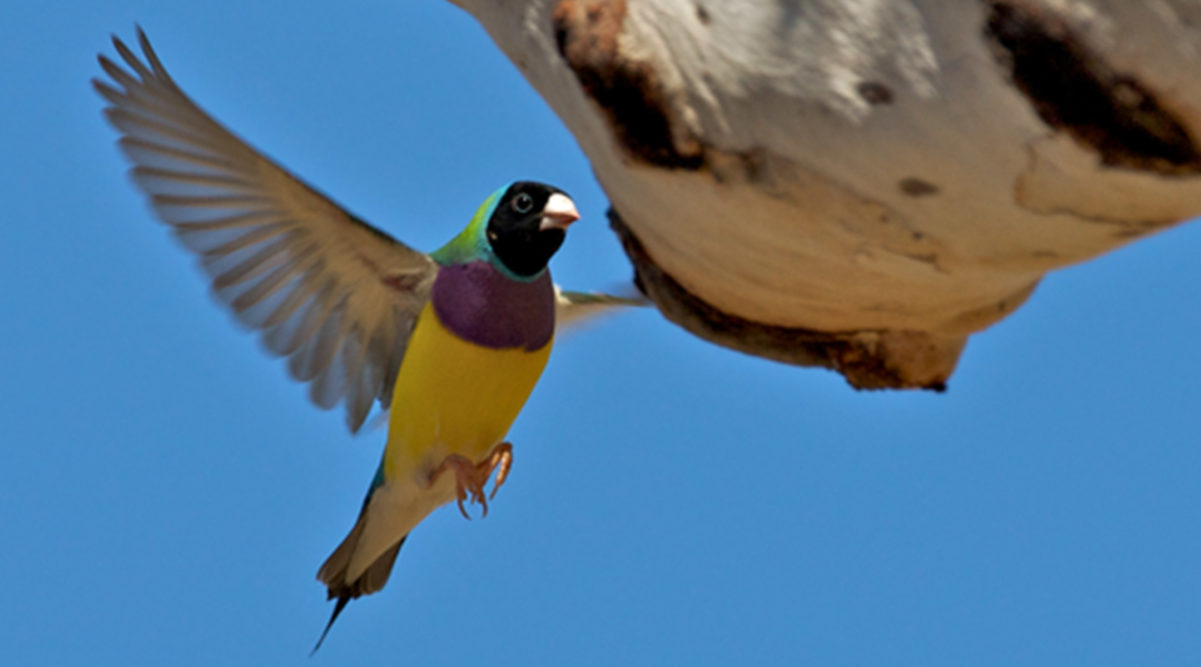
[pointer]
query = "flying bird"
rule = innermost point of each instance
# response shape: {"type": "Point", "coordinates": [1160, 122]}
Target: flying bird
{"type": "Point", "coordinates": [452, 342]}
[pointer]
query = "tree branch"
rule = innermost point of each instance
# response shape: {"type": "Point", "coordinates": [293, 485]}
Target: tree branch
{"type": "Point", "coordinates": [862, 184]}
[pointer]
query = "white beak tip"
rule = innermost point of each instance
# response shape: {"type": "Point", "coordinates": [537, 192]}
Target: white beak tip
{"type": "Point", "coordinates": [559, 212]}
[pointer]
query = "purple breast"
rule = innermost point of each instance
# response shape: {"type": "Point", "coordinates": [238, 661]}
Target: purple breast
{"type": "Point", "coordinates": [481, 305]}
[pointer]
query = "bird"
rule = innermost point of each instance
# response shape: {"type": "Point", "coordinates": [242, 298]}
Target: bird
{"type": "Point", "coordinates": [450, 343]}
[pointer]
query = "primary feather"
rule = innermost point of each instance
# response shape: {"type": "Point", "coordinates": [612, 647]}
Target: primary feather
{"type": "Point", "coordinates": [335, 295]}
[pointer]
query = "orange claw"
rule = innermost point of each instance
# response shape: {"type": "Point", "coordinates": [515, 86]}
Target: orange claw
{"type": "Point", "coordinates": [501, 459]}
{"type": "Point", "coordinates": [465, 479]}
{"type": "Point", "coordinates": [470, 477]}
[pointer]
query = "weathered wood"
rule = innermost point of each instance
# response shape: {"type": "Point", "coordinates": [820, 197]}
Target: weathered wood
{"type": "Point", "coordinates": [861, 184]}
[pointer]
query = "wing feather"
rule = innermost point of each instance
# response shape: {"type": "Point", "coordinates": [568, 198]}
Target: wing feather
{"type": "Point", "coordinates": [320, 284]}
{"type": "Point", "coordinates": [572, 308]}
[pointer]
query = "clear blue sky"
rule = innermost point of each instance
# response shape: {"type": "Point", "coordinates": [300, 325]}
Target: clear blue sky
{"type": "Point", "coordinates": [166, 493]}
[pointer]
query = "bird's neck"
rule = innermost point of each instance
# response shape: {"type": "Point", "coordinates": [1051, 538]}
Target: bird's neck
{"type": "Point", "coordinates": [481, 305]}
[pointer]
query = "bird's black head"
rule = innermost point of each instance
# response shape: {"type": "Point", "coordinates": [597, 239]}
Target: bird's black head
{"type": "Point", "coordinates": [528, 225]}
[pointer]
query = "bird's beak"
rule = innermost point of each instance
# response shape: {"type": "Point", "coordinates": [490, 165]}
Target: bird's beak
{"type": "Point", "coordinates": [558, 213]}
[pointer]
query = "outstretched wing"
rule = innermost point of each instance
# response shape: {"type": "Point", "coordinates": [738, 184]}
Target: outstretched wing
{"type": "Point", "coordinates": [574, 307]}
{"type": "Point", "coordinates": [335, 295]}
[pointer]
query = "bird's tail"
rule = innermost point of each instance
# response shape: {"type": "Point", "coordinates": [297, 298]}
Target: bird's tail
{"type": "Point", "coordinates": [390, 511]}
{"type": "Point", "coordinates": [333, 574]}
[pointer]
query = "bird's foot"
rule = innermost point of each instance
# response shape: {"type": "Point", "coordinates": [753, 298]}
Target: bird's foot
{"type": "Point", "coordinates": [470, 477]}
{"type": "Point", "coordinates": [469, 486]}
{"type": "Point", "coordinates": [501, 459]}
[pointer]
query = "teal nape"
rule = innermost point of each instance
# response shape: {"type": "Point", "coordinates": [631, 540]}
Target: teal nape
{"type": "Point", "coordinates": [471, 244]}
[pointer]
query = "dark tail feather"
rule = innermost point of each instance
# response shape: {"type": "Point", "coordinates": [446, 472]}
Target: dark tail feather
{"type": "Point", "coordinates": [343, 600]}
{"type": "Point", "coordinates": [372, 579]}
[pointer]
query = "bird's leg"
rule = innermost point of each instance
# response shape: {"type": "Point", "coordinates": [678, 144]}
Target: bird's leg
{"type": "Point", "coordinates": [468, 485]}
{"type": "Point", "coordinates": [470, 477]}
{"type": "Point", "coordinates": [501, 459]}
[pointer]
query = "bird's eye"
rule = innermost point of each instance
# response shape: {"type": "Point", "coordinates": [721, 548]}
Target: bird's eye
{"type": "Point", "coordinates": [523, 203]}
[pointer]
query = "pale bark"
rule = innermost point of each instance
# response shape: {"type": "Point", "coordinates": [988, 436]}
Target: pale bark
{"type": "Point", "coordinates": [861, 184]}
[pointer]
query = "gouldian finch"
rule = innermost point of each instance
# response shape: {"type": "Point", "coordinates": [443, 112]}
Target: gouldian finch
{"type": "Point", "coordinates": [452, 342]}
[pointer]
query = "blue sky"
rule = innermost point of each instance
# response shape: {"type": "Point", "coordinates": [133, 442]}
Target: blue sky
{"type": "Point", "coordinates": [166, 493]}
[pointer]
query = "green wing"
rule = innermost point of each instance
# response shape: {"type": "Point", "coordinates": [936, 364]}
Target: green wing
{"type": "Point", "coordinates": [333, 294]}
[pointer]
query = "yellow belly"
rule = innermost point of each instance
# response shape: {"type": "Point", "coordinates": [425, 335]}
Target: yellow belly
{"type": "Point", "coordinates": [453, 397]}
